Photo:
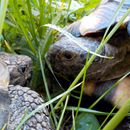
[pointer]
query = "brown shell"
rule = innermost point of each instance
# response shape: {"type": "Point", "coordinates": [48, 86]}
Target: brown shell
{"type": "Point", "coordinates": [100, 19]}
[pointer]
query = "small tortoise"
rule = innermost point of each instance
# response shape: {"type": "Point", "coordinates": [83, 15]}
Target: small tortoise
{"type": "Point", "coordinates": [17, 101]}
{"type": "Point", "coordinates": [20, 67]}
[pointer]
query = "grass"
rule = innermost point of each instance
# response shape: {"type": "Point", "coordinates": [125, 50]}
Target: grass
{"type": "Point", "coordinates": [3, 8]}
{"type": "Point", "coordinates": [25, 31]}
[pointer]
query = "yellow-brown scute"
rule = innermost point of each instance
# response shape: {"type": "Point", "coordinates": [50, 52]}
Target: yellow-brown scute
{"type": "Point", "coordinates": [122, 93]}
{"type": "Point", "coordinates": [89, 88]}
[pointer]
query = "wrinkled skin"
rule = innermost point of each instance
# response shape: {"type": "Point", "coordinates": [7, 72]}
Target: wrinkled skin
{"type": "Point", "coordinates": [67, 58]}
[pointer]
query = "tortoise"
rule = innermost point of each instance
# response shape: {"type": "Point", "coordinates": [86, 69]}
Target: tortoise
{"type": "Point", "coordinates": [67, 58]}
{"type": "Point", "coordinates": [16, 101]}
{"type": "Point", "coordinates": [20, 67]}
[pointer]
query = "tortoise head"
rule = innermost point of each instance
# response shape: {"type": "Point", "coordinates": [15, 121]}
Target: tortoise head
{"type": "Point", "coordinates": [67, 59]}
{"type": "Point", "coordinates": [20, 67]}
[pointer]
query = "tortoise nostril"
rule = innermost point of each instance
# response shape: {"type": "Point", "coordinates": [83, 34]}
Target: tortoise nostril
{"type": "Point", "coordinates": [67, 55]}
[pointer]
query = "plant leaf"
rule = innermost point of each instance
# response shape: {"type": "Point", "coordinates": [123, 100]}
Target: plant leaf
{"type": "Point", "coordinates": [86, 121]}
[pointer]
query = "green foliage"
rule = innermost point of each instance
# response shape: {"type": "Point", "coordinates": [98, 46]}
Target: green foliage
{"type": "Point", "coordinates": [86, 121]}
{"type": "Point", "coordinates": [3, 7]}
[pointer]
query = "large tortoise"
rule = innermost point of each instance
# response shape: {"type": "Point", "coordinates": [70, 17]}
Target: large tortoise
{"type": "Point", "coordinates": [17, 101]}
{"type": "Point", "coordinates": [67, 58]}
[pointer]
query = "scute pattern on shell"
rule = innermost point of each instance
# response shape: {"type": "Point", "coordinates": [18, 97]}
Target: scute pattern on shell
{"type": "Point", "coordinates": [26, 100]}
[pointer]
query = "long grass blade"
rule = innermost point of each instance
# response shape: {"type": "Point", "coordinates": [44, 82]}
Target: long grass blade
{"type": "Point", "coordinates": [3, 8]}
{"type": "Point", "coordinates": [72, 38]}
{"type": "Point", "coordinates": [63, 112]}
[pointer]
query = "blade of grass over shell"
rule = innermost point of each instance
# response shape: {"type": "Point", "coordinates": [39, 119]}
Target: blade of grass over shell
{"type": "Point", "coordinates": [115, 28]}
{"type": "Point", "coordinates": [103, 42]}
{"type": "Point", "coordinates": [72, 38]}
{"type": "Point", "coordinates": [3, 8]}
{"type": "Point", "coordinates": [62, 114]}
{"type": "Point", "coordinates": [113, 19]}
{"type": "Point", "coordinates": [45, 105]}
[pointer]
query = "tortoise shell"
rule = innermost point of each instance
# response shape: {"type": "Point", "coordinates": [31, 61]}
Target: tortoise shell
{"type": "Point", "coordinates": [100, 18]}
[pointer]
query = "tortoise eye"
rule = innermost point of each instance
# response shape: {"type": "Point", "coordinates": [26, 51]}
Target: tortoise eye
{"type": "Point", "coordinates": [67, 55]}
{"type": "Point", "coordinates": [22, 68]}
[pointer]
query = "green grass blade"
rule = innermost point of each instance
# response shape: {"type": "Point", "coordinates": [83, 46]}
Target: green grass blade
{"type": "Point", "coordinates": [3, 8]}
{"type": "Point", "coordinates": [82, 86]}
{"type": "Point", "coordinates": [72, 38]}
{"type": "Point", "coordinates": [21, 24]}
{"type": "Point", "coordinates": [47, 88]}
{"type": "Point", "coordinates": [70, 108]}
{"type": "Point", "coordinates": [113, 19]}
{"type": "Point", "coordinates": [121, 114]}
{"type": "Point", "coordinates": [32, 24]}
{"type": "Point", "coordinates": [62, 115]}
